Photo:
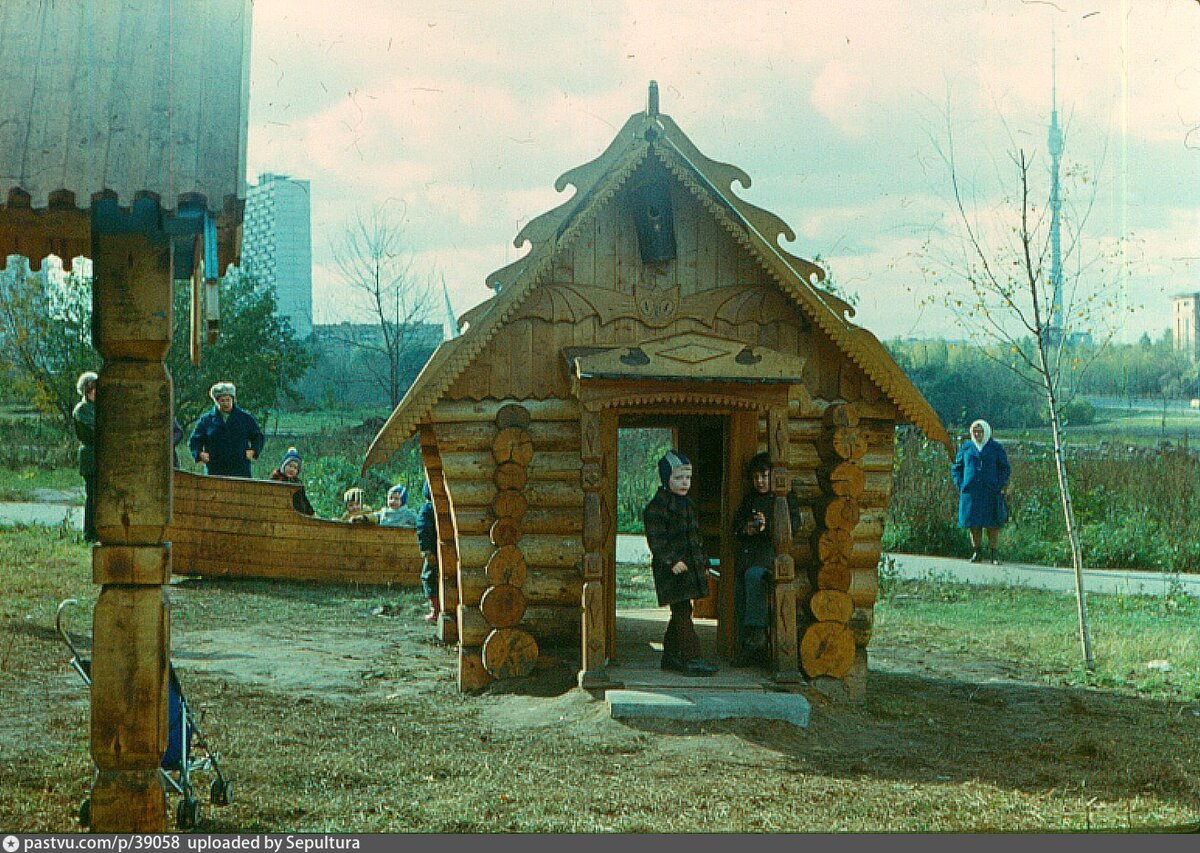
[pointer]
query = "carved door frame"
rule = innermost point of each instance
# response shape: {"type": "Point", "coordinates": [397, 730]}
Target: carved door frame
{"type": "Point", "coordinates": [602, 403]}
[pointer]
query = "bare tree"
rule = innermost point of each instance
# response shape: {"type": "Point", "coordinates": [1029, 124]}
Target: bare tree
{"type": "Point", "coordinates": [998, 273]}
{"type": "Point", "coordinates": [374, 262]}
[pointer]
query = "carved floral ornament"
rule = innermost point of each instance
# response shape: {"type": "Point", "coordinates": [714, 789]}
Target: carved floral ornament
{"type": "Point", "coordinates": [752, 399]}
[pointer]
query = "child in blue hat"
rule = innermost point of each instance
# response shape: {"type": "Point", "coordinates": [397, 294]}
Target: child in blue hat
{"type": "Point", "coordinates": [678, 562]}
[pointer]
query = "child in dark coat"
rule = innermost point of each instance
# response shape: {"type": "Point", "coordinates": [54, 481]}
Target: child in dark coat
{"type": "Point", "coordinates": [752, 526]}
{"type": "Point", "coordinates": [678, 562]}
{"type": "Point", "coordinates": [289, 472]}
{"type": "Point", "coordinates": [427, 542]}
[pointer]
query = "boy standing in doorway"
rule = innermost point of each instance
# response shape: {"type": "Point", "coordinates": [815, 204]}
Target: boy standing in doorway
{"type": "Point", "coordinates": [678, 562]}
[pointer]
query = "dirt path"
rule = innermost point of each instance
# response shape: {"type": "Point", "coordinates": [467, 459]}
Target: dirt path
{"type": "Point", "coordinates": [332, 718]}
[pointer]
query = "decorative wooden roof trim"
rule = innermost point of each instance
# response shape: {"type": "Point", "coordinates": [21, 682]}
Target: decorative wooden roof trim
{"type": "Point", "coordinates": [785, 269]}
{"type": "Point", "coordinates": [600, 180]}
{"type": "Point", "coordinates": [597, 181]}
{"type": "Point", "coordinates": [14, 198]}
{"type": "Point", "coordinates": [626, 398]}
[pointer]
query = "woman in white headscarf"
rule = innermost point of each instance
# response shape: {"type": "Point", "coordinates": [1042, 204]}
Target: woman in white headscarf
{"type": "Point", "coordinates": [980, 473]}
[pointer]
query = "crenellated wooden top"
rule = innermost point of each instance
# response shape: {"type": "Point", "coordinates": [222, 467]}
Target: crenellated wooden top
{"type": "Point", "coordinates": [121, 99]}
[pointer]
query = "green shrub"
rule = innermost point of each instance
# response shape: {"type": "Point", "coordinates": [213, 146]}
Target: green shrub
{"type": "Point", "coordinates": [1134, 509]}
{"type": "Point", "coordinates": [1079, 413]}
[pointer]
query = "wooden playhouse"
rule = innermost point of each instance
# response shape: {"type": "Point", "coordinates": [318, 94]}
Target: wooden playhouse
{"type": "Point", "coordinates": [654, 296]}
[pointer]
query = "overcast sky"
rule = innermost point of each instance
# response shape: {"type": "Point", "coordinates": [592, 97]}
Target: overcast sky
{"type": "Point", "coordinates": [460, 116]}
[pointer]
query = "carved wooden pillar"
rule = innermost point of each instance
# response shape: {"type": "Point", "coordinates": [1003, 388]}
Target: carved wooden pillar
{"type": "Point", "coordinates": [447, 548]}
{"type": "Point", "coordinates": [131, 329]}
{"type": "Point", "coordinates": [593, 670]}
{"type": "Point", "coordinates": [785, 660]}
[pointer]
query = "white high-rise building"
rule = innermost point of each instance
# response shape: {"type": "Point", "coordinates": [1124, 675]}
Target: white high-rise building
{"type": "Point", "coordinates": [277, 244]}
{"type": "Point", "coordinates": [1185, 331]}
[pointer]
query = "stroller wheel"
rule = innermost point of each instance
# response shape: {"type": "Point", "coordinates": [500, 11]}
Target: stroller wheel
{"type": "Point", "coordinates": [221, 792]}
{"type": "Point", "coordinates": [85, 813]}
{"type": "Point", "coordinates": [187, 815]}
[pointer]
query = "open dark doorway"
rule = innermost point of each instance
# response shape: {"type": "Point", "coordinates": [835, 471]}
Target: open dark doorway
{"type": "Point", "coordinates": [638, 621]}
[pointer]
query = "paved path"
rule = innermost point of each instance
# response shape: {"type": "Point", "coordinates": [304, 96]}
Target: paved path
{"type": "Point", "coordinates": [44, 514]}
{"type": "Point", "coordinates": [1044, 577]}
{"type": "Point", "coordinates": [632, 549]}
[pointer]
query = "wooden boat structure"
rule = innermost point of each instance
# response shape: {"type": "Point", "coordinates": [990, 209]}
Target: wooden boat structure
{"type": "Point", "coordinates": [233, 527]}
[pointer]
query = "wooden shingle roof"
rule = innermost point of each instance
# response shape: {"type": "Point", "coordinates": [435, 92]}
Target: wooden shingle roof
{"type": "Point", "coordinates": [757, 230]}
{"type": "Point", "coordinates": [120, 98]}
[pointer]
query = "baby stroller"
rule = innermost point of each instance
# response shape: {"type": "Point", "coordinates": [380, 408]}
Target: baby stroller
{"type": "Point", "coordinates": [187, 747]}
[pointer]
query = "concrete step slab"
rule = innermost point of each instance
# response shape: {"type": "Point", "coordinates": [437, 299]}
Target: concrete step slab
{"type": "Point", "coordinates": [699, 704]}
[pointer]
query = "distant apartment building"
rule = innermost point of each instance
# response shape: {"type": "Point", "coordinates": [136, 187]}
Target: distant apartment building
{"type": "Point", "coordinates": [1185, 330]}
{"type": "Point", "coordinates": [277, 244]}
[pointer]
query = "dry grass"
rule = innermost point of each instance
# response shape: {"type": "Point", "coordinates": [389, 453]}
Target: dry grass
{"type": "Point", "coordinates": [389, 745]}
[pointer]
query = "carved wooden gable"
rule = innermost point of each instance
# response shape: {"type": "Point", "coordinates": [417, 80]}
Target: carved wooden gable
{"type": "Point", "coordinates": [593, 278]}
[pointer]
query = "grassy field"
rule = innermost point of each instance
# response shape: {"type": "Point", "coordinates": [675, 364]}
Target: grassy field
{"type": "Point", "coordinates": [330, 717]}
{"type": "Point", "coordinates": [1139, 428]}
{"type": "Point", "coordinates": [1020, 624]}
{"type": "Point", "coordinates": [25, 483]}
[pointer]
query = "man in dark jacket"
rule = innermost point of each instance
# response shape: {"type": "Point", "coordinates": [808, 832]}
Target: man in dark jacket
{"type": "Point", "coordinates": [678, 563]}
{"type": "Point", "coordinates": [427, 542]}
{"type": "Point", "coordinates": [226, 438]}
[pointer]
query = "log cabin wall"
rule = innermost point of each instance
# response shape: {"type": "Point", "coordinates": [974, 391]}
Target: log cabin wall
{"type": "Point", "coordinates": [590, 317]}
{"type": "Point", "coordinates": [840, 462]}
{"type": "Point", "coordinates": [511, 469]}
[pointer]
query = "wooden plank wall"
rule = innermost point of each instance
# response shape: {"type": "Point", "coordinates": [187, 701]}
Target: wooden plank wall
{"type": "Point", "coordinates": [228, 527]}
{"type": "Point", "coordinates": [524, 361]}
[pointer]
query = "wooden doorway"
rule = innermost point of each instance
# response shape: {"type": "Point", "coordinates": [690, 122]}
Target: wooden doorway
{"type": "Point", "coordinates": [719, 442]}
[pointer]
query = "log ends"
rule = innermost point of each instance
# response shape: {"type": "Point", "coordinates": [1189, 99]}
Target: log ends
{"type": "Point", "coordinates": [504, 605]}
{"type": "Point", "coordinates": [509, 653]}
{"type": "Point", "coordinates": [827, 648]}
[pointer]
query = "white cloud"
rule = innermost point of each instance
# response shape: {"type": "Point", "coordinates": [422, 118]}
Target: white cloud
{"type": "Point", "coordinates": [465, 115]}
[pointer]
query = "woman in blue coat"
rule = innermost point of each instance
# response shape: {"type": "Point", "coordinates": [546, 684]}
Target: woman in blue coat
{"type": "Point", "coordinates": [980, 473]}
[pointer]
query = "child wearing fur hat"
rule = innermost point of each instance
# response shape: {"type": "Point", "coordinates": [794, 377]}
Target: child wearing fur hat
{"type": "Point", "coordinates": [753, 524]}
{"type": "Point", "coordinates": [226, 438]}
{"type": "Point", "coordinates": [395, 514]}
{"type": "Point", "coordinates": [289, 472]}
{"type": "Point", "coordinates": [678, 562]}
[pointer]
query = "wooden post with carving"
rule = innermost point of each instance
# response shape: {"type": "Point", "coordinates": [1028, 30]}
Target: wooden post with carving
{"type": "Point", "coordinates": [592, 672]}
{"type": "Point", "coordinates": [447, 548]}
{"type": "Point", "coordinates": [785, 660]}
{"type": "Point", "coordinates": [131, 329]}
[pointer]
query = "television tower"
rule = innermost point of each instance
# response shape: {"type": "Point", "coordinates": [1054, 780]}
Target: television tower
{"type": "Point", "coordinates": [1054, 322]}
